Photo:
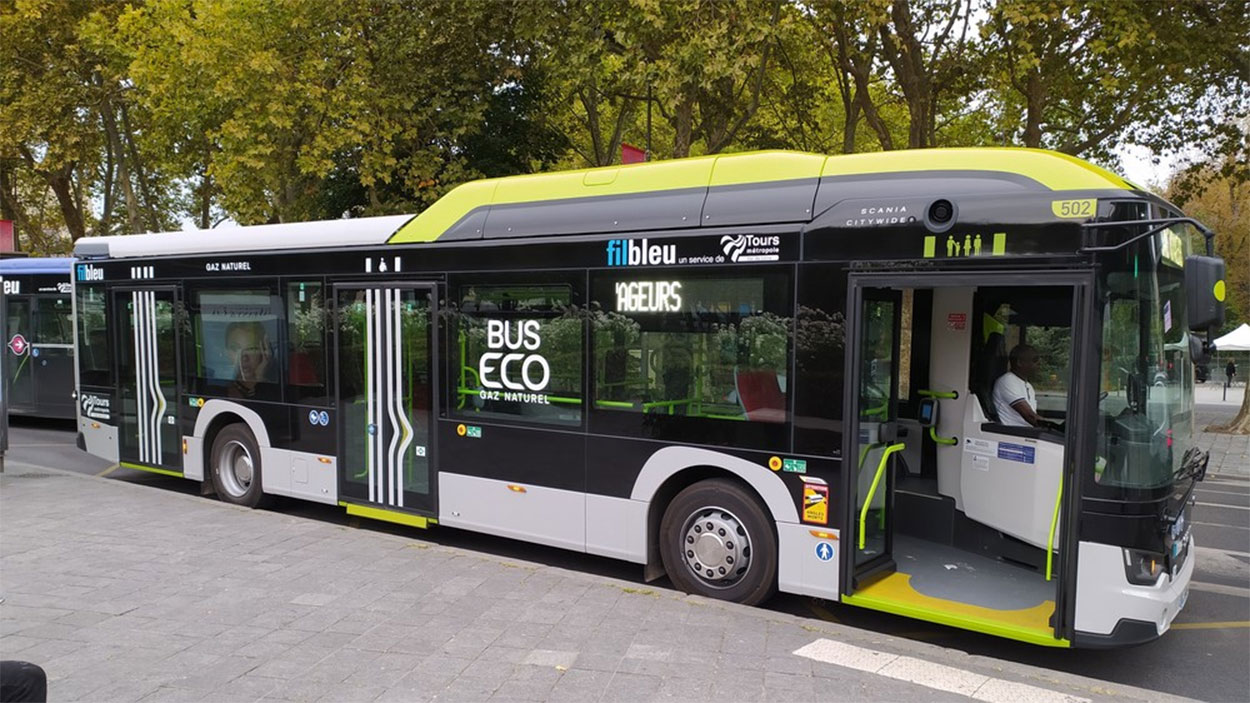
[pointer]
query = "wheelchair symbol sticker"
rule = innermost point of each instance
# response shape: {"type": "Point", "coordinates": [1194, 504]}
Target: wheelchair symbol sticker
{"type": "Point", "coordinates": [824, 551]}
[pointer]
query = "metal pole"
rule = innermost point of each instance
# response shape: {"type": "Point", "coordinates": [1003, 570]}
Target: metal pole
{"type": "Point", "coordinates": [648, 121]}
{"type": "Point", "coordinates": [4, 378]}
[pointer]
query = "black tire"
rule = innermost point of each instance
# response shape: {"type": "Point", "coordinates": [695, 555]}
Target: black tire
{"type": "Point", "coordinates": [235, 466]}
{"type": "Point", "coordinates": [742, 543]}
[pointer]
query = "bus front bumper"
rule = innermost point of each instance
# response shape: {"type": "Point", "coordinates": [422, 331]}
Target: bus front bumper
{"type": "Point", "coordinates": [1111, 612]}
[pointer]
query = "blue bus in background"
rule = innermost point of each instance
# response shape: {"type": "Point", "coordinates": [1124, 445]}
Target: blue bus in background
{"type": "Point", "coordinates": [39, 336]}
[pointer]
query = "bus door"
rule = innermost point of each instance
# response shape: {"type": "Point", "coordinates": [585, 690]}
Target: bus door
{"type": "Point", "coordinates": [52, 356]}
{"type": "Point", "coordinates": [148, 431]}
{"type": "Point", "coordinates": [385, 369]}
{"type": "Point", "coordinates": [18, 333]}
{"type": "Point", "coordinates": [874, 445]}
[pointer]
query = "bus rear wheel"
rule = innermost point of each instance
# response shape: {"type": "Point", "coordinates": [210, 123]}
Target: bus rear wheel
{"type": "Point", "coordinates": [235, 462]}
{"type": "Point", "coordinates": [716, 540]}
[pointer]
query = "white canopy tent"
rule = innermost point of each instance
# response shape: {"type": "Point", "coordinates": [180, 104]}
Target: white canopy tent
{"type": "Point", "coordinates": [1237, 340]}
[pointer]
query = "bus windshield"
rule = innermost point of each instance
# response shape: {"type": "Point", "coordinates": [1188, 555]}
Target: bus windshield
{"type": "Point", "coordinates": [1146, 401]}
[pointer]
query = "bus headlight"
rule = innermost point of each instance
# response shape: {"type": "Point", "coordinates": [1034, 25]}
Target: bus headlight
{"type": "Point", "coordinates": [1142, 568]}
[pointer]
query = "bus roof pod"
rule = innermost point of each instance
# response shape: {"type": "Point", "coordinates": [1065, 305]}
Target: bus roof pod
{"type": "Point", "coordinates": [754, 188]}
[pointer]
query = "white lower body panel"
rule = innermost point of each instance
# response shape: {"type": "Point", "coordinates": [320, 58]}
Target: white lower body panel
{"type": "Point", "coordinates": [807, 564]}
{"type": "Point", "coordinates": [299, 475]}
{"type": "Point", "coordinates": [532, 513]}
{"type": "Point", "coordinates": [1104, 596]}
{"type": "Point", "coordinates": [100, 439]}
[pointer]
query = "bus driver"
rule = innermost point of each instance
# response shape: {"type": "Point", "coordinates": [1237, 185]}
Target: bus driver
{"type": "Point", "coordinates": [1014, 398]}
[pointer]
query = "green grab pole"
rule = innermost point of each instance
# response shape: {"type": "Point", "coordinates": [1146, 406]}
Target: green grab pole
{"type": "Point", "coordinates": [1054, 522]}
{"type": "Point", "coordinates": [946, 395]}
{"type": "Point", "coordinates": [876, 479]}
{"type": "Point", "coordinates": [883, 409]}
{"type": "Point", "coordinates": [948, 441]}
{"type": "Point", "coordinates": [613, 404]}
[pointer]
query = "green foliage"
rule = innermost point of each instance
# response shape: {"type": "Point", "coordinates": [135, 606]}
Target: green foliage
{"type": "Point", "coordinates": [131, 116]}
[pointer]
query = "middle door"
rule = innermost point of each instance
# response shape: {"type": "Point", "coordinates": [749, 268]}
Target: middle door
{"type": "Point", "coordinates": [385, 374]}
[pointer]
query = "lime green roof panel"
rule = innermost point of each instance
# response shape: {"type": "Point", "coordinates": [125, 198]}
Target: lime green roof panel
{"type": "Point", "coordinates": [1050, 168]}
{"type": "Point", "coordinates": [1055, 171]}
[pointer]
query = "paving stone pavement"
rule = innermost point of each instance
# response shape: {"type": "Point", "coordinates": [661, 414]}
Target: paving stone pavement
{"type": "Point", "coordinates": [125, 592]}
{"type": "Point", "coordinates": [1230, 454]}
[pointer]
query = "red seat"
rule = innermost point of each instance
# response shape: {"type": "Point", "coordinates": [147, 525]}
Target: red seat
{"type": "Point", "coordinates": [760, 396]}
{"type": "Point", "coordinates": [303, 372]}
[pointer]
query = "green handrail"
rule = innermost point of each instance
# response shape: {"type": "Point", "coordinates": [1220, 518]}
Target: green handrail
{"type": "Point", "coordinates": [876, 479]}
{"type": "Point", "coordinates": [882, 409]}
{"type": "Point", "coordinates": [933, 435]}
{"type": "Point", "coordinates": [947, 395]}
{"type": "Point", "coordinates": [1054, 522]}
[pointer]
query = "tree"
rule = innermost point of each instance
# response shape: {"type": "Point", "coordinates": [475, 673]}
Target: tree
{"type": "Point", "coordinates": [1085, 77]}
{"type": "Point", "coordinates": [1223, 203]}
{"type": "Point", "coordinates": [69, 126]}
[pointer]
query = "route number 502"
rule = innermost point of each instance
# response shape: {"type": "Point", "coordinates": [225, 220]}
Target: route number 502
{"type": "Point", "coordinates": [1074, 208]}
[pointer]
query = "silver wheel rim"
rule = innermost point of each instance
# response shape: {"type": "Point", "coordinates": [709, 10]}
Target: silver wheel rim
{"type": "Point", "coordinates": [716, 547]}
{"type": "Point", "coordinates": [235, 468]}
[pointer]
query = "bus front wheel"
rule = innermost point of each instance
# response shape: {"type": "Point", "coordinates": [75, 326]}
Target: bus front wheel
{"type": "Point", "coordinates": [235, 462]}
{"type": "Point", "coordinates": [716, 540]}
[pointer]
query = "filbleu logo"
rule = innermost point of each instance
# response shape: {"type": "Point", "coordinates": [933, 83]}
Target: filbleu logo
{"type": "Point", "coordinates": [627, 252]}
{"type": "Point", "coordinates": [87, 272]}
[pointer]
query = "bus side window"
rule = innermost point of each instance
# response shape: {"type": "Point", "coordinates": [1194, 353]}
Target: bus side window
{"type": "Point", "coordinates": [515, 349]}
{"type": "Point", "coordinates": [306, 333]}
{"type": "Point", "coordinates": [696, 345]}
{"type": "Point", "coordinates": [55, 325]}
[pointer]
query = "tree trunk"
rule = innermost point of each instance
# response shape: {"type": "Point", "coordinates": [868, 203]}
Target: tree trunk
{"type": "Point", "coordinates": [683, 126]}
{"type": "Point", "coordinates": [1035, 103]}
{"type": "Point", "coordinates": [109, 121]}
{"type": "Point", "coordinates": [1241, 423]}
{"type": "Point", "coordinates": [205, 199]}
{"type": "Point", "coordinates": [62, 184]}
{"type": "Point", "coordinates": [149, 202]}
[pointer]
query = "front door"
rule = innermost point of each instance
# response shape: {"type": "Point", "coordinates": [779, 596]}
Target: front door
{"type": "Point", "coordinates": [385, 343]}
{"type": "Point", "coordinates": [148, 371]}
{"type": "Point", "coordinates": [876, 374]}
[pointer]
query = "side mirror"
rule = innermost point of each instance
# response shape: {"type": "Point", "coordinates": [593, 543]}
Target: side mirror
{"type": "Point", "coordinates": [1204, 292]}
{"type": "Point", "coordinates": [1200, 350]}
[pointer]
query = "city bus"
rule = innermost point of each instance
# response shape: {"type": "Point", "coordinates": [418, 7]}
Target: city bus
{"type": "Point", "coordinates": [752, 373]}
{"type": "Point", "coordinates": [39, 336]}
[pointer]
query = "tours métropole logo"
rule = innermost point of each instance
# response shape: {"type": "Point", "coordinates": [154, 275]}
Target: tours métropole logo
{"type": "Point", "coordinates": [751, 247]}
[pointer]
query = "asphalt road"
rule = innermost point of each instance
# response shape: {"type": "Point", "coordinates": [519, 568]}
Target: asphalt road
{"type": "Point", "coordinates": [1204, 656]}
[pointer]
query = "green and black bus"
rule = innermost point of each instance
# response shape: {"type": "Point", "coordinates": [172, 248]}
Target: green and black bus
{"type": "Point", "coordinates": [39, 336]}
{"type": "Point", "coordinates": [750, 372]}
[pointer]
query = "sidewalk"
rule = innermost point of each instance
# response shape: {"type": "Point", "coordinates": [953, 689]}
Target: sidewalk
{"type": "Point", "coordinates": [1230, 454]}
{"type": "Point", "coordinates": [128, 593]}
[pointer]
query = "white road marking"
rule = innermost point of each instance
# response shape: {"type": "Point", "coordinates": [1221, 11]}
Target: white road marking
{"type": "Point", "coordinates": [1220, 524]}
{"type": "Point", "coordinates": [931, 675]}
{"type": "Point", "coordinates": [1200, 491]}
{"type": "Point", "coordinates": [1222, 505]}
{"type": "Point", "coordinates": [1220, 588]}
{"type": "Point", "coordinates": [1223, 562]}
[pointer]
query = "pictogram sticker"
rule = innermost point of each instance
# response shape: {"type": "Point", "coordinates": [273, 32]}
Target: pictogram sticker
{"type": "Point", "coordinates": [816, 503]}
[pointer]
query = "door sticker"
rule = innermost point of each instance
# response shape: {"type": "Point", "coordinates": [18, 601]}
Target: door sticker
{"type": "Point", "coordinates": [816, 503]}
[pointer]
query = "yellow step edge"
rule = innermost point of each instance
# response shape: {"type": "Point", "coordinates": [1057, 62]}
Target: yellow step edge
{"type": "Point", "coordinates": [895, 594]}
{"type": "Point", "coordinates": [388, 515]}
